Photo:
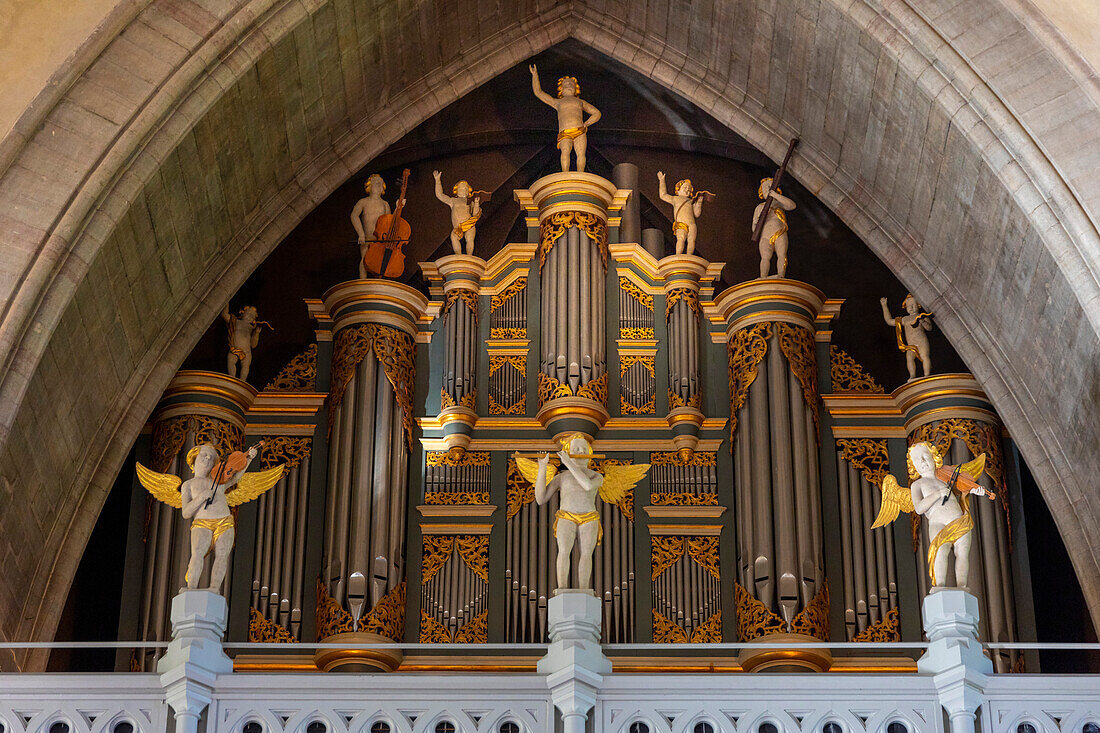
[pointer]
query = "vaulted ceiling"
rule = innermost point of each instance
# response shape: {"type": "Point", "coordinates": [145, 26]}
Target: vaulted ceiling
{"type": "Point", "coordinates": [139, 192]}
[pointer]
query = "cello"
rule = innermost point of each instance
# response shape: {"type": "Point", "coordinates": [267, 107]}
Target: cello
{"type": "Point", "coordinates": [386, 256]}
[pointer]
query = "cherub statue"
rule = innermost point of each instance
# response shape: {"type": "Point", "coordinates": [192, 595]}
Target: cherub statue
{"type": "Point", "coordinates": [577, 517]}
{"type": "Point", "coordinates": [244, 335]}
{"type": "Point", "coordinates": [572, 127]}
{"type": "Point", "coordinates": [207, 500]}
{"type": "Point", "coordinates": [465, 208]}
{"type": "Point", "coordinates": [909, 330]}
{"type": "Point", "coordinates": [773, 237]}
{"type": "Point", "coordinates": [933, 495]}
{"type": "Point", "coordinates": [687, 204]}
{"type": "Point", "coordinates": [365, 215]}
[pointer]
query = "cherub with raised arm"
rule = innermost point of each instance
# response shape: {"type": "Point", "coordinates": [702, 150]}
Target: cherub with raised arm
{"type": "Point", "coordinates": [572, 126]}
{"type": "Point", "coordinates": [465, 208]}
{"type": "Point", "coordinates": [941, 494]}
{"type": "Point", "coordinates": [773, 237]}
{"type": "Point", "coordinates": [244, 335]}
{"type": "Point", "coordinates": [206, 499]}
{"type": "Point", "coordinates": [687, 205]}
{"type": "Point", "coordinates": [577, 518]}
{"type": "Point", "coordinates": [910, 333]}
{"type": "Point", "coordinates": [365, 215]}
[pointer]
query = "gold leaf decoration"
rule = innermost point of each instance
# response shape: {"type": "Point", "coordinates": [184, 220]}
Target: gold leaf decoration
{"type": "Point", "coordinates": [754, 619]}
{"type": "Point", "coordinates": [675, 400]}
{"type": "Point", "coordinates": [595, 390]}
{"type": "Point", "coordinates": [797, 344]}
{"type": "Point", "coordinates": [475, 631]}
{"type": "Point", "coordinates": [168, 439]}
{"type": "Point", "coordinates": [507, 332]}
{"type": "Point", "coordinates": [299, 375]}
{"type": "Point", "coordinates": [456, 459]}
{"type": "Point", "coordinates": [395, 351]}
{"type": "Point", "coordinates": [432, 631]}
{"type": "Point", "coordinates": [170, 435]}
{"type": "Point", "coordinates": [647, 408]}
{"type": "Point", "coordinates": [813, 620]}
{"type": "Point", "coordinates": [631, 288]}
{"type": "Point", "coordinates": [884, 630]}
{"type": "Point", "coordinates": [666, 631]}
{"type": "Point", "coordinates": [704, 550]}
{"type": "Point", "coordinates": [666, 551]}
{"type": "Point", "coordinates": [285, 449]}
{"type": "Point", "coordinates": [469, 297]}
{"type": "Point", "coordinates": [445, 399]}
{"type": "Point", "coordinates": [637, 333]}
{"type": "Point", "coordinates": [516, 408]}
{"type": "Point", "coordinates": [261, 630]}
{"type": "Point", "coordinates": [388, 617]}
{"type": "Point", "coordinates": [331, 618]}
{"type": "Point", "coordinates": [520, 491]}
{"type": "Point", "coordinates": [868, 455]}
{"type": "Point", "coordinates": [630, 360]}
{"type": "Point", "coordinates": [848, 375]}
{"type": "Point", "coordinates": [673, 458]}
{"type": "Point", "coordinates": [551, 389]}
{"type": "Point", "coordinates": [710, 632]}
{"type": "Point", "coordinates": [748, 347]}
{"type": "Point", "coordinates": [456, 498]}
{"type": "Point", "coordinates": [682, 498]}
{"type": "Point", "coordinates": [516, 287]}
{"type": "Point", "coordinates": [690, 298]}
{"type": "Point", "coordinates": [437, 550]}
{"type": "Point", "coordinates": [979, 437]}
{"type": "Point", "coordinates": [553, 227]}
{"type": "Point", "coordinates": [474, 551]}
{"type": "Point", "coordinates": [518, 362]}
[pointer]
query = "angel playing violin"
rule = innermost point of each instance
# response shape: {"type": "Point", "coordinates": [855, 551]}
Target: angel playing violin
{"type": "Point", "coordinates": [577, 518]}
{"type": "Point", "coordinates": [207, 498]}
{"type": "Point", "coordinates": [942, 495]}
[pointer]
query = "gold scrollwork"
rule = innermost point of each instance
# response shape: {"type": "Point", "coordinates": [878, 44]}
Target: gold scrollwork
{"type": "Point", "coordinates": [666, 631]}
{"type": "Point", "coordinates": [704, 551]}
{"type": "Point", "coordinates": [445, 399]}
{"type": "Point", "coordinates": [747, 349]}
{"type": "Point", "coordinates": [683, 498]}
{"type": "Point", "coordinates": [388, 617]}
{"type": "Point", "coordinates": [868, 455]}
{"type": "Point", "coordinates": [520, 491]}
{"type": "Point", "coordinates": [393, 348]}
{"type": "Point", "coordinates": [469, 297]}
{"type": "Point", "coordinates": [595, 390]}
{"type": "Point", "coordinates": [626, 363]}
{"type": "Point", "coordinates": [261, 630]}
{"type": "Point", "coordinates": [169, 436]}
{"type": "Point", "coordinates": [754, 619]}
{"type": "Point", "coordinates": [456, 498]}
{"type": "Point", "coordinates": [813, 620]}
{"type": "Point", "coordinates": [516, 287]}
{"type": "Point", "coordinates": [629, 287]}
{"type": "Point", "coordinates": [474, 551]}
{"type": "Point", "coordinates": [688, 295]}
{"type": "Point", "coordinates": [797, 344]}
{"type": "Point", "coordinates": [432, 631]}
{"type": "Point", "coordinates": [451, 458]}
{"type": "Point", "coordinates": [675, 400]}
{"type": "Point", "coordinates": [640, 333]}
{"type": "Point", "coordinates": [516, 408]}
{"type": "Point", "coordinates": [666, 551]}
{"type": "Point", "coordinates": [553, 227]}
{"type": "Point", "coordinates": [285, 449]}
{"type": "Point", "coordinates": [848, 375]}
{"type": "Point", "coordinates": [629, 360]}
{"type": "Point", "coordinates": [299, 375]}
{"type": "Point", "coordinates": [507, 332]}
{"type": "Point", "coordinates": [649, 407]}
{"type": "Point", "coordinates": [550, 389]}
{"type": "Point", "coordinates": [474, 631]}
{"type": "Point", "coordinates": [437, 550]}
{"type": "Point", "coordinates": [674, 458]}
{"type": "Point", "coordinates": [884, 630]}
{"type": "Point", "coordinates": [517, 362]}
{"type": "Point", "coordinates": [710, 632]}
{"type": "Point", "coordinates": [331, 618]}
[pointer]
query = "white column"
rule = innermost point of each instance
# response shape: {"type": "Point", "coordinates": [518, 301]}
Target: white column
{"type": "Point", "coordinates": [574, 664]}
{"type": "Point", "coordinates": [189, 669]}
{"type": "Point", "coordinates": [954, 657]}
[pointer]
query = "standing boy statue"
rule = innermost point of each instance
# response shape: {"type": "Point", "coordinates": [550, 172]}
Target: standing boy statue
{"type": "Point", "coordinates": [910, 333]}
{"type": "Point", "coordinates": [365, 215]}
{"type": "Point", "coordinates": [465, 208]}
{"type": "Point", "coordinates": [572, 127]}
{"type": "Point", "coordinates": [773, 237]}
{"type": "Point", "coordinates": [687, 205]}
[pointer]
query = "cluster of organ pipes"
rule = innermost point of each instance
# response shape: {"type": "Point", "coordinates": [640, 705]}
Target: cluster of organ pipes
{"type": "Point", "coordinates": [671, 478]}
{"type": "Point", "coordinates": [635, 319]}
{"type": "Point", "coordinates": [460, 355]}
{"type": "Point", "coordinates": [870, 587]}
{"type": "Point", "coordinates": [454, 595]}
{"type": "Point", "coordinates": [449, 477]}
{"type": "Point", "coordinates": [686, 594]}
{"type": "Point", "coordinates": [683, 352]}
{"type": "Point", "coordinates": [367, 485]}
{"type": "Point", "coordinates": [573, 283]}
{"type": "Point", "coordinates": [509, 318]}
{"type": "Point", "coordinates": [277, 565]}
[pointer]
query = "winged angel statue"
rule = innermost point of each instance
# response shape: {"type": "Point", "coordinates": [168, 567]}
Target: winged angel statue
{"type": "Point", "coordinates": [577, 518]}
{"type": "Point", "coordinates": [207, 497]}
{"type": "Point", "coordinates": [933, 495]}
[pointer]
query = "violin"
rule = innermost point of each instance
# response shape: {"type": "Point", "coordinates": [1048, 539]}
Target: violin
{"type": "Point", "coordinates": [236, 462]}
{"type": "Point", "coordinates": [386, 255]}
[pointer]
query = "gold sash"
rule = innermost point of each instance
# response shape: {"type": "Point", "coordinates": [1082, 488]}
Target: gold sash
{"type": "Point", "coordinates": [218, 526]}
{"type": "Point", "coordinates": [782, 216]}
{"type": "Point", "coordinates": [571, 133]}
{"type": "Point", "coordinates": [949, 534]}
{"type": "Point", "coordinates": [467, 225]}
{"type": "Point", "coordinates": [578, 519]}
{"type": "Point", "coordinates": [678, 225]}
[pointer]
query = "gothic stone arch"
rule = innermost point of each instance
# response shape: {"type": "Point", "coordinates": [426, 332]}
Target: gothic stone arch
{"type": "Point", "coordinates": [185, 140]}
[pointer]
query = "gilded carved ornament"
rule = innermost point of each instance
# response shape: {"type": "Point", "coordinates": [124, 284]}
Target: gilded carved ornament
{"type": "Point", "coordinates": [675, 400]}
{"type": "Point", "coordinates": [516, 287]}
{"type": "Point", "coordinates": [754, 619]}
{"type": "Point", "coordinates": [674, 458]}
{"type": "Point", "coordinates": [285, 449]}
{"type": "Point", "coordinates": [170, 435]}
{"type": "Point", "coordinates": [868, 455]}
{"type": "Point", "coordinates": [394, 350]}
{"type": "Point", "coordinates": [553, 227]}
{"type": "Point", "coordinates": [688, 296]}
{"type": "Point", "coordinates": [437, 550]}
{"type": "Point", "coordinates": [683, 498]}
{"type": "Point", "coordinates": [468, 400]}
{"type": "Point", "coordinates": [473, 549]}
{"type": "Point", "coordinates": [520, 491]}
{"type": "Point", "coordinates": [386, 619]}
{"type": "Point", "coordinates": [516, 408]}
{"type": "Point", "coordinates": [453, 459]}
{"type": "Point", "coordinates": [475, 631]}
{"type": "Point", "coordinates": [627, 362]}
{"type": "Point", "coordinates": [747, 349]}
{"type": "Point", "coordinates": [629, 287]}
{"type": "Point", "coordinates": [883, 630]}
{"type": "Point", "coordinates": [432, 631]}
{"type": "Point", "coordinates": [517, 362]}
{"type": "Point", "coordinates": [469, 297]}
{"type": "Point", "coordinates": [797, 344]}
{"type": "Point", "coordinates": [848, 375]}
{"type": "Point", "coordinates": [667, 631]}
{"type": "Point", "coordinates": [813, 620]}
{"type": "Point", "coordinates": [595, 389]}
{"type": "Point", "coordinates": [551, 389]}
{"type": "Point", "coordinates": [668, 549]}
{"type": "Point", "coordinates": [649, 407]}
{"type": "Point", "coordinates": [299, 375]}
{"type": "Point", "coordinates": [261, 630]}
{"type": "Point", "coordinates": [456, 498]}
{"type": "Point", "coordinates": [636, 333]}
{"type": "Point", "coordinates": [502, 332]}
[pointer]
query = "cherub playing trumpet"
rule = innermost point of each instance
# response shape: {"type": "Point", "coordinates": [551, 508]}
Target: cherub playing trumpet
{"type": "Point", "coordinates": [577, 518]}
{"type": "Point", "coordinates": [942, 495]}
{"type": "Point", "coordinates": [207, 498]}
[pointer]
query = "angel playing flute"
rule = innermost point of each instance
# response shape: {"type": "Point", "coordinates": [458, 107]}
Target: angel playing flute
{"type": "Point", "coordinates": [577, 518]}
{"type": "Point", "coordinates": [207, 499]}
{"type": "Point", "coordinates": [942, 495]}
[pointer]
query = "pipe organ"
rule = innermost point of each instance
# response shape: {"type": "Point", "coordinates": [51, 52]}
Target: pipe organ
{"type": "Point", "coordinates": [403, 516]}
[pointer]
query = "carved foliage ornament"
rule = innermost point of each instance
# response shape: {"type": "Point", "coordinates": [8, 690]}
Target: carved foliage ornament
{"type": "Point", "coordinates": [170, 435]}
{"type": "Point", "coordinates": [673, 458]}
{"type": "Point", "coordinates": [502, 332]}
{"type": "Point", "coordinates": [469, 297]}
{"type": "Point", "coordinates": [517, 362]}
{"type": "Point", "coordinates": [393, 348]}
{"type": "Point", "coordinates": [386, 619]}
{"type": "Point", "coordinates": [299, 375]}
{"type": "Point", "coordinates": [747, 349]}
{"type": "Point", "coordinates": [446, 400]}
{"type": "Point", "coordinates": [848, 375]}
{"type": "Point", "coordinates": [668, 549]}
{"type": "Point", "coordinates": [553, 227]}
{"type": "Point", "coordinates": [261, 630]}
{"type": "Point", "coordinates": [797, 344]}
{"type": "Point", "coordinates": [883, 630]}
{"type": "Point", "coordinates": [754, 619]}
{"type": "Point", "coordinates": [868, 455]}
{"type": "Point", "coordinates": [636, 333]}
{"type": "Point", "coordinates": [285, 449]}
{"type": "Point", "coordinates": [473, 549]}
{"type": "Point", "coordinates": [688, 295]}
{"type": "Point", "coordinates": [449, 458]}
{"type": "Point", "coordinates": [520, 491]}
{"type": "Point", "coordinates": [516, 287]}
{"type": "Point", "coordinates": [551, 389]}
{"type": "Point", "coordinates": [667, 631]}
{"type": "Point", "coordinates": [675, 400]}
{"type": "Point", "coordinates": [629, 287]}
{"type": "Point", "coordinates": [475, 631]}
{"type": "Point", "coordinates": [683, 498]}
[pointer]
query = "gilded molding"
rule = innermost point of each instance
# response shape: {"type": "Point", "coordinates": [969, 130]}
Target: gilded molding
{"type": "Point", "coordinates": [261, 630]}
{"type": "Point", "coordinates": [848, 375]}
{"type": "Point", "coordinates": [747, 349]}
{"type": "Point", "coordinates": [394, 350]}
{"type": "Point", "coordinates": [868, 455]}
{"type": "Point", "coordinates": [299, 375]}
{"type": "Point", "coordinates": [553, 227]}
{"type": "Point", "coordinates": [884, 630]}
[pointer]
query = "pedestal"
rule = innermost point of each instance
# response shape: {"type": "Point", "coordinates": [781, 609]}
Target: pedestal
{"type": "Point", "coordinates": [189, 669]}
{"type": "Point", "coordinates": [358, 660]}
{"type": "Point", "coordinates": [574, 664]}
{"type": "Point", "coordinates": [954, 657]}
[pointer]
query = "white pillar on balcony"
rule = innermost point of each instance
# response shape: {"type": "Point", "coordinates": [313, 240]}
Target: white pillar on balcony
{"type": "Point", "coordinates": [574, 664]}
{"type": "Point", "coordinates": [189, 669]}
{"type": "Point", "coordinates": [954, 658]}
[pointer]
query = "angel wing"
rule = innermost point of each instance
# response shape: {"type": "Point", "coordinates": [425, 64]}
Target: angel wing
{"type": "Point", "coordinates": [163, 486]}
{"type": "Point", "coordinates": [253, 484]}
{"type": "Point", "coordinates": [617, 480]}
{"type": "Point", "coordinates": [895, 499]}
{"type": "Point", "coordinates": [975, 468]}
{"type": "Point", "coordinates": [529, 467]}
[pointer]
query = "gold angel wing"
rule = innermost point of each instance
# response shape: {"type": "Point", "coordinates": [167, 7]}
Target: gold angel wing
{"type": "Point", "coordinates": [895, 499]}
{"type": "Point", "coordinates": [975, 468]}
{"type": "Point", "coordinates": [529, 467]}
{"type": "Point", "coordinates": [617, 480]}
{"type": "Point", "coordinates": [253, 484]}
{"type": "Point", "coordinates": [163, 486]}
